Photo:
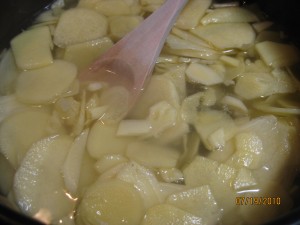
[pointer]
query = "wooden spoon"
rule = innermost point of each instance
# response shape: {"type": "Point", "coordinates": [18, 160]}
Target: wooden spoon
{"type": "Point", "coordinates": [126, 66]}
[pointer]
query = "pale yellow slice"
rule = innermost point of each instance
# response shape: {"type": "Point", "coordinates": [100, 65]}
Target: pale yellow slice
{"type": "Point", "coordinates": [46, 84]}
{"type": "Point", "coordinates": [38, 183]}
{"type": "Point", "coordinates": [113, 202]}
{"type": "Point", "coordinates": [79, 25]}
{"type": "Point", "coordinates": [19, 131]}
{"type": "Point", "coordinates": [32, 48]}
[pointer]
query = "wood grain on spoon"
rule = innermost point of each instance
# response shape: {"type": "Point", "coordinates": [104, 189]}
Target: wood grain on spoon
{"type": "Point", "coordinates": [130, 62]}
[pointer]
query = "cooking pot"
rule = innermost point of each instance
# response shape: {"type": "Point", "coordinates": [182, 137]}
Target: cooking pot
{"type": "Point", "coordinates": [16, 15]}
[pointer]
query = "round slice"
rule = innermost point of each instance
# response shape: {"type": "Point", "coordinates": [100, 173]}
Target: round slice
{"type": "Point", "coordinates": [38, 183]}
{"type": "Point", "coordinates": [79, 25]}
{"type": "Point", "coordinates": [19, 131]}
{"type": "Point", "coordinates": [103, 140]}
{"type": "Point", "coordinates": [44, 85]}
{"type": "Point", "coordinates": [114, 202]}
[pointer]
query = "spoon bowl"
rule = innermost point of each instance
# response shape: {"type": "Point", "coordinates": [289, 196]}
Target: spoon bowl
{"type": "Point", "coordinates": [130, 62]}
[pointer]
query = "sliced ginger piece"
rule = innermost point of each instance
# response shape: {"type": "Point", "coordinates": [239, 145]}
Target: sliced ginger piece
{"type": "Point", "coordinates": [171, 175]}
{"type": "Point", "coordinates": [198, 201]}
{"type": "Point", "coordinates": [215, 127]}
{"type": "Point", "coordinates": [121, 25]}
{"type": "Point", "coordinates": [203, 74]}
{"type": "Point", "coordinates": [113, 8]}
{"type": "Point", "coordinates": [103, 140]}
{"type": "Point", "coordinates": [167, 92]}
{"type": "Point", "coordinates": [152, 155]}
{"type": "Point", "coordinates": [38, 183]}
{"type": "Point", "coordinates": [244, 179]}
{"type": "Point", "coordinates": [19, 131]}
{"type": "Point", "coordinates": [254, 85]}
{"type": "Point", "coordinates": [177, 76]}
{"type": "Point", "coordinates": [44, 85]}
{"type": "Point", "coordinates": [72, 165]}
{"type": "Point", "coordinates": [114, 202]}
{"type": "Point", "coordinates": [116, 99]}
{"type": "Point", "coordinates": [144, 180]}
{"type": "Point", "coordinates": [89, 4]}
{"type": "Point", "coordinates": [9, 105]}
{"type": "Point", "coordinates": [8, 72]}
{"type": "Point", "coordinates": [32, 48]}
{"type": "Point", "coordinates": [88, 174]}
{"type": "Point", "coordinates": [203, 165]}
{"type": "Point", "coordinates": [109, 161]}
{"type": "Point", "coordinates": [277, 54]}
{"type": "Point", "coordinates": [227, 35]}
{"type": "Point", "coordinates": [192, 13]}
{"type": "Point", "coordinates": [79, 25]}
{"type": "Point", "coordinates": [133, 127]}
{"type": "Point", "coordinates": [166, 214]}
{"type": "Point", "coordinates": [162, 116]}
{"type": "Point", "coordinates": [229, 15]}
{"type": "Point", "coordinates": [219, 177]}
{"type": "Point", "coordinates": [82, 54]}
{"type": "Point", "coordinates": [249, 151]}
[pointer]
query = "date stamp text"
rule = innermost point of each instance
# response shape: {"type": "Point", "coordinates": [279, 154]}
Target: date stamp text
{"type": "Point", "coordinates": [257, 200]}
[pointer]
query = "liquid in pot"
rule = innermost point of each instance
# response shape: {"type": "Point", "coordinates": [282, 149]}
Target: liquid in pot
{"type": "Point", "coordinates": [213, 138]}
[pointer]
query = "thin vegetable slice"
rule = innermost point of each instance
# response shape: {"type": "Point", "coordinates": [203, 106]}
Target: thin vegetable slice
{"type": "Point", "coordinates": [116, 98]}
{"type": "Point", "coordinates": [109, 161]}
{"type": "Point", "coordinates": [9, 105]}
{"type": "Point", "coordinates": [185, 35]}
{"type": "Point", "coordinates": [167, 92]}
{"type": "Point", "coordinates": [280, 111]}
{"type": "Point", "coordinates": [43, 163]}
{"type": "Point", "coordinates": [192, 13]}
{"type": "Point", "coordinates": [277, 54]}
{"type": "Point", "coordinates": [191, 143]}
{"type": "Point", "coordinates": [79, 25]}
{"type": "Point", "coordinates": [227, 35]}
{"type": "Point", "coordinates": [113, 202]}
{"type": "Point", "coordinates": [212, 121]}
{"type": "Point", "coordinates": [121, 25]}
{"type": "Point", "coordinates": [133, 127]}
{"type": "Point", "coordinates": [175, 42]}
{"type": "Point", "coordinates": [229, 15]}
{"type": "Point", "coordinates": [162, 116]}
{"type": "Point", "coordinates": [144, 180]}
{"type": "Point", "coordinates": [192, 201]}
{"type": "Point", "coordinates": [8, 72]}
{"type": "Point", "coordinates": [19, 131]}
{"type": "Point", "coordinates": [234, 103]}
{"type": "Point", "coordinates": [103, 140]}
{"type": "Point", "coordinates": [44, 85]}
{"type": "Point", "coordinates": [113, 8]}
{"type": "Point", "coordinates": [83, 54]}
{"type": "Point", "coordinates": [152, 155]}
{"type": "Point", "coordinates": [72, 165]}
{"type": "Point", "coordinates": [244, 179]}
{"type": "Point", "coordinates": [219, 177]}
{"type": "Point", "coordinates": [249, 150]}
{"type": "Point", "coordinates": [254, 85]}
{"type": "Point", "coordinates": [203, 74]}
{"type": "Point", "coordinates": [32, 48]}
{"type": "Point", "coordinates": [177, 76]}
{"type": "Point", "coordinates": [171, 175]}
{"type": "Point", "coordinates": [166, 214]}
